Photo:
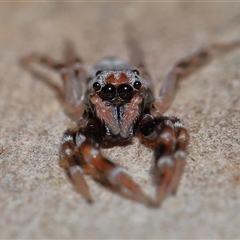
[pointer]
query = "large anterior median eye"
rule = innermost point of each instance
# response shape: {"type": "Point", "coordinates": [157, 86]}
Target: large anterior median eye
{"type": "Point", "coordinates": [125, 91]}
{"type": "Point", "coordinates": [108, 92]}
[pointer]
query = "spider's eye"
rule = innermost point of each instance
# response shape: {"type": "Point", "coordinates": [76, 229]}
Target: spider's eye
{"type": "Point", "coordinates": [96, 86]}
{"type": "Point", "coordinates": [136, 71]}
{"type": "Point", "coordinates": [137, 85]}
{"type": "Point", "coordinates": [108, 92]}
{"type": "Point", "coordinates": [125, 91]}
{"type": "Point", "coordinates": [98, 72]}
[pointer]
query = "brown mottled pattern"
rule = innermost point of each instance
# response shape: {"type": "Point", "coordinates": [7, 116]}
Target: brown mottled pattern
{"type": "Point", "coordinates": [117, 82]}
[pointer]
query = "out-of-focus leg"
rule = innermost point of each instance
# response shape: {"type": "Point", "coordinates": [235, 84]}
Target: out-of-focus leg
{"type": "Point", "coordinates": [136, 55]}
{"type": "Point", "coordinates": [73, 77]}
{"type": "Point", "coordinates": [185, 67]}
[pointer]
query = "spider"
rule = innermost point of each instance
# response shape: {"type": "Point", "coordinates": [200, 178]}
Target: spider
{"type": "Point", "coordinates": [113, 103]}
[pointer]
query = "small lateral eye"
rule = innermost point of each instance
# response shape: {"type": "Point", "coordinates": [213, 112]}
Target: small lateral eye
{"type": "Point", "coordinates": [137, 85]}
{"type": "Point", "coordinates": [98, 72]}
{"type": "Point", "coordinates": [96, 86]}
{"type": "Point", "coordinates": [136, 72]}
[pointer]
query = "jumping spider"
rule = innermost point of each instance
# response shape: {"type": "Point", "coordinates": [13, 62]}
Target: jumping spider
{"type": "Point", "coordinates": [114, 103]}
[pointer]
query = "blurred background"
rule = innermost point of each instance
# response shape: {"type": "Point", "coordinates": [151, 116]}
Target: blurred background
{"type": "Point", "coordinates": [37, 201]}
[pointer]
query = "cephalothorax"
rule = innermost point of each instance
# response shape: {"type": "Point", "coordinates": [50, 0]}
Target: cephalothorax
{"type": "Point", "coordinates": [114, 103]}
{"type": "Point", "coordinates": [118, 98]}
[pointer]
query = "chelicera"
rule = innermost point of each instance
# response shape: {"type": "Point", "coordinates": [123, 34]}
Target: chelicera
{"type": "Point", "coordinates": [113, 103]}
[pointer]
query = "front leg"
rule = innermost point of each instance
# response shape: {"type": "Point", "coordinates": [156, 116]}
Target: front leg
{"type": "Point", "coordinates": [88, 140]}
{"type": "Point", "coordinates": [70, 160]}
{"type": "Point", "coordinates": [171, 140]}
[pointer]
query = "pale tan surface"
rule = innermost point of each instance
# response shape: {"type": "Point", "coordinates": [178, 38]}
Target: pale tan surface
{"type": "Point", "coordinates": [36, 200]}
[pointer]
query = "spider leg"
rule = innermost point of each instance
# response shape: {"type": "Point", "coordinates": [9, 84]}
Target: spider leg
{"type": "Point", "coordinates": [171, 140]}
{"type": "Point", "coordinates": [88, 140]}
{"type": "Point", "coordinates": [70, 161]}
{"type": "Point", "coordinates": [185, 67]}
{"type": "Point", "coordinates": [136, 55]}
{"type": "Point", "coordinates": [73, 77]}
{"type": "Point", "coordinates": [74, 60]}
{"type": "Point", "coordinates": [180, 153]}
{"type": "Point", "coordinates": [70, 54]}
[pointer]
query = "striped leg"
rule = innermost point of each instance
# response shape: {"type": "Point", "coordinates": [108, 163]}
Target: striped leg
{"type": "Point", "coordinates": [71, 162]}
{"type": "Point", "coordinates": [74, 60]}
{"type": "Point", "coordinates": [136, 55]}
{"type": "Point", "coordinates": [180, 153]}
{"type": "Point", "coordinates": [73, 77]}
{"type": "Point", "coordinates": [171, 140]}
{"type": "Point", "coordinates": [88, 140]}
{"type": "Point", "coordinates": [185, 67]}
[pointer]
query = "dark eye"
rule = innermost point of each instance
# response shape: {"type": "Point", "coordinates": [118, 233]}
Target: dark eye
{"type": "Point", "coordinates": [108, 92]}
{"type": "Point", "coordinates": [96, 86]}
{"type": "Point", "coordinates": [137, 84]}
{"type": "Point", "coordinates": [125, 91]}
{"type": "Point", "coordinates": [136, 71]}
{"type": "Point", "coordinates": [98, 72]}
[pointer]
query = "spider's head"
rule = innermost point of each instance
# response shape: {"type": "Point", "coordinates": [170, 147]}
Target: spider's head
{"type": "Point", "coordinates": [117, 98]}
{"type": "Point", "coordinates": [117, 86]}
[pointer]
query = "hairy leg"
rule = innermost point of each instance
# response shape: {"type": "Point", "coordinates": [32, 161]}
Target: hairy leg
{"type": "Point", "coordinates": [171, 141]}
{"type": "Point", "coordinates": [136, 55]}
{"type": "Point", "coordinates": [185, 67]}
{"type": "Point", "coordinates": [88, 140]}
{"type": "Point", "coordinates": [73, 77]}
{"type": "Point", "coordinates": [70, 160]}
